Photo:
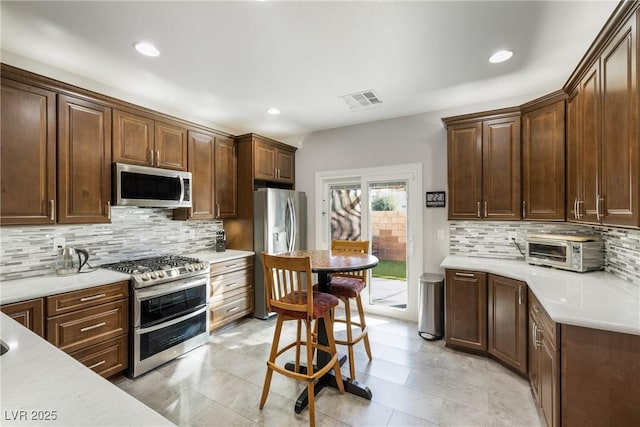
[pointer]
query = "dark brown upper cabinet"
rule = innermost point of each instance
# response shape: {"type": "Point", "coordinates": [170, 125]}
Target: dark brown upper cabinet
{"type": "Point", "coordinates": [484, 165]}
{"type": "Point", "coordinates": [28, 194]}
{"type": "Point", "coordinates": [543, 161]}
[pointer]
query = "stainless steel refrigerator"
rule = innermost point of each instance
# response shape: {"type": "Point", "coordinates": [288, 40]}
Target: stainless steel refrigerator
{"type": "Point", "coordinates": [279, 225]}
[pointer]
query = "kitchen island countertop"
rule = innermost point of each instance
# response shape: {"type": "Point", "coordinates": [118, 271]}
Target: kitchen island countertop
{"type": "Point", "coordinates": [42, 385]}
{"type": "Point", "coordinates": [597, 300]}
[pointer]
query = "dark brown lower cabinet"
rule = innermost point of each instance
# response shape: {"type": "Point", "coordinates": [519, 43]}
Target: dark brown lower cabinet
{"type": "Point", "coordinates": [507, 321]}
{"type": "Point", "coordinates": [466, 310]}
{"type": "Point", "coordinates": [600, 378]}
{"type": "Point", "coordinates": [29, 314]}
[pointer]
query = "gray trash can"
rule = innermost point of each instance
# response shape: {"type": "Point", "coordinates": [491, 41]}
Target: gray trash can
{"type": "Point", "coordinates": [431, 310]}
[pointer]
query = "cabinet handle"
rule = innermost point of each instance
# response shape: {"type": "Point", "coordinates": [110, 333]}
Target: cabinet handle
{"type": "Point", "coordinates": [97, 325]}
{"type": "Point", "coordinates": [91, 298]}
{"type": "Point", "coordinates": [536, 309]}
{"type": "Point", "coordinates": [478, 212]}
{"type": "Point", "coordinates": [151, 155]}
{"type": "Point", "coordinates": [537, 342]}
{"type": "Point", "coordinates": [157, 158]}
{"type": "Point", "coordinates": [464, 274]}
{"type": "Point", "coordinates": [95, 365]}
{"type": "Point", "coordinates": [524, 209]}
{"type": "Point", "coordinates": [231, 284]}
{"type": "Point", "coordinates": [520, 295]}
{"type": "Point", "coordinates": [485, 209]}
{"type": "Point", "coordinates": [232, 309]}
{"type": "Point", "coordinates": [52, 207]}
{"type": "Point", "coordinates": [533, 335]}
{"type": "Point", "coordinates": [109, 210]}
{"type": "Point", "coordinates": [217, 210]}
{"type": "Point", "coordinates": [599, 199]}
{"type": "Point", "coordinates": [578, 203]}
{"type": "Point", "coordinates": [575, 208]}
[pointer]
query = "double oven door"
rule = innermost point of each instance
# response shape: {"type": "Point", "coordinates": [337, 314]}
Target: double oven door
{"type": "Point", "coordinates": [168, 320]}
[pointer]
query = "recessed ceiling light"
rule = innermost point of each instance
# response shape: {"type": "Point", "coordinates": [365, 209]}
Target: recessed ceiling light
{"type": "Point", "coordinates": [273, 111]}
{"type": "Point", "coordinates": [146, 49]}
{"type": "Point", "coordinates": [500, 56]}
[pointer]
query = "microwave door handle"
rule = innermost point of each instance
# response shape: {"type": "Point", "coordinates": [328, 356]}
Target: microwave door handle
{"type": "Point", "coordinates": [181, 189]}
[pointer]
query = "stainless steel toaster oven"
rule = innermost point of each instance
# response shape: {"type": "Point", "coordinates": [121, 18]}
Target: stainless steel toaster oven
{"type": "Point", "coordinates": [568, 252]}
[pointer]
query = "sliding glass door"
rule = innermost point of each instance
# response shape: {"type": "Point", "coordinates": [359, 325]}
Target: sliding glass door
{"type": "Point", "coordinates": [384, 208]}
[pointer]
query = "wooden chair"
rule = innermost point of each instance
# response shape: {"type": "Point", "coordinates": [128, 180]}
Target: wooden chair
{"type": "Point", "coordinates": [346, 286]}
{"type": "Point", "coordinates": [287, 280]}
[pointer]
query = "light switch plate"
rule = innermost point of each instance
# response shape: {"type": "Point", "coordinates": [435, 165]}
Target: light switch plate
{"type": "Point", "coordinates": [440, 234]}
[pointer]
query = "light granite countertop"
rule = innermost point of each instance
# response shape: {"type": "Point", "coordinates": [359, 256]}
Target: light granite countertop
{"type": "Point", "coordinates": [595, 300]}
{"type": "Point", "coordinates": [42, 385]}
{"type": "Point", "coordinates": [42, 286]}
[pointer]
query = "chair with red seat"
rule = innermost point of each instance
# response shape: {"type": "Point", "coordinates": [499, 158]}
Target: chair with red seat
{"type": "Point", "coordinates": [347, 286]}
{"type": "Point", "coordinates": [287, 280]}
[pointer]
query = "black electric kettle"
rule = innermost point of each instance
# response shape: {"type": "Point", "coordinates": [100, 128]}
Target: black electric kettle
{"type": "Point", "coordinates": [70, 261]}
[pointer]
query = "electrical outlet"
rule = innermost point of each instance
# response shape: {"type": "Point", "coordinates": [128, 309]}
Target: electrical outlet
{"type": "Point", "coordinates": [57, 242]}
{"type": "Point", "coordinates": [440, 234]}
{"type": "Point", "coordinates": [513, 235]}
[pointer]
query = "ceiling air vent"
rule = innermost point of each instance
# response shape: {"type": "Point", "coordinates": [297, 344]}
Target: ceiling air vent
{"type": "Point", "coordinates": [361, 100]}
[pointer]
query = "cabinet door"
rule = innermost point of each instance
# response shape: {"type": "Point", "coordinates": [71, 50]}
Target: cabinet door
{"type": "Point", "coordinates": [286, 166]}
{"type": "Point", "coordinates": [589, 152]}
{"type": "Point", "coordinates": [501, 191]}
{"type": "Point", "coordinates": [29, 314]}
{"type": "Point", "coordinates": [133, 139]}
{"type": "Point", "coordinates": [201, 165]}
{"type": "Point", "coordinates": [264, 162]}
{"type": "Point", "coordinates": [573, 155]}
{"type": "Point", "coordinates": [507, 321]}
{"type": "Point", "coordinates": [84, 161]}
{"type": "Point", "coordinates": [543, 163]}
{"type": "Point", "coordinates": [466, 310]}
{"type": "Point", "coordinates": [534, 357]}
{"type": "Point", "coordinates": [170, 146]}
{"type": "Point", "coordinates": [620, 157]}
{"type": "Point", "coordinates": [548, 397]}
{"type": "Point", "coordinates": [225, 180]}
{"type": "Point", "coordinates": [464, 157]}
{"type": "Point", "coordinates": [28, 194]}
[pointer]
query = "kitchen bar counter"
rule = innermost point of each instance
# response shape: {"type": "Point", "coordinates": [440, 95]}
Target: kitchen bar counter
{"type": "Point", "coordinates": [595, 300]}
{"type": "Point", "coordinates": [42, 385]}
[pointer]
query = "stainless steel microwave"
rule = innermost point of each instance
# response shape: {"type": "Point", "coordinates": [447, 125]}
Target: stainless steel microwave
{"type": "Point", "coordinates": [574, 253]}
{"type": "Point", "coordinates": [151, 187]}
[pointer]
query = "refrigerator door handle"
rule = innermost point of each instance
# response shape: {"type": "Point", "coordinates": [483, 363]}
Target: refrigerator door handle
{"type": "Point", "coordinates": [292, 224]}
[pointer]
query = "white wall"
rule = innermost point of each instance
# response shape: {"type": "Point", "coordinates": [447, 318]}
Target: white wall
{"type": "Point", "coordinates": [419, 138]}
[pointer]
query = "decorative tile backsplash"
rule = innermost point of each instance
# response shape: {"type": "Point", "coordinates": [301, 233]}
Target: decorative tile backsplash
{"type": "Point", "coordinates": [490, 239]}
{"type": "Point", "coordinates": [27, 251]}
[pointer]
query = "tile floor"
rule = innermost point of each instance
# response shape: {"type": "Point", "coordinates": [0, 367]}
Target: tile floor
{"type": "Point", "coordinates": [414, 383]}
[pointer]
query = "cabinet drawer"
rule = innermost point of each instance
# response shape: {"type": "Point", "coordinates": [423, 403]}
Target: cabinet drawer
{"type": "Point", "coordinates": [107, 358]}
{"type": "Point", "coordinates": [544, 320]}
{"type": "Point", "coordinates": [224, 267]}
{"type": "Point", "coordinates": [230, 309]}
{"type": "Point", "coordinates": [91, 297]}
{"type": "Point", "coordinates": [224, 283]}
{"type": "Point", "coordinates": [74, 331]}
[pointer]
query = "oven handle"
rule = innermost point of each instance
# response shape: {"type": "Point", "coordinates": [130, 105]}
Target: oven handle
{"type": "Point", "coordinates": [141, 331]}
{"type": "Point", "coordinates": [167, 288]}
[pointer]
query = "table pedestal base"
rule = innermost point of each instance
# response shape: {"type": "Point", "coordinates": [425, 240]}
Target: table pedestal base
{"type": "Point", "coordinates": [329, 379]}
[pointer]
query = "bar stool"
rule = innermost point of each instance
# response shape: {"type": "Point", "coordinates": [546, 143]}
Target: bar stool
{"type": "Point", "coordinates": [287, 280]}
{"type": "Point", "coordinates": [346, 286]}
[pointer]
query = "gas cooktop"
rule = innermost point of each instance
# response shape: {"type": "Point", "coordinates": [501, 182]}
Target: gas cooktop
{"type": "Point", "coordinates": [155, 270]}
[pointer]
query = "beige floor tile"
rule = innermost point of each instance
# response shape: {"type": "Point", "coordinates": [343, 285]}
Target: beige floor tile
{"type": "Point", "coordinates": [413, 382]}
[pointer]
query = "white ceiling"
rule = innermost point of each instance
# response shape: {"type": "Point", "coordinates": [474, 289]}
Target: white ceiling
{"type": "Point", "coordinates": [223, 64]}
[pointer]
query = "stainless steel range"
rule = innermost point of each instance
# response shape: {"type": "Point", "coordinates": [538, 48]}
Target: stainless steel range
{"type": "Point", "coordinates": [169, 306]}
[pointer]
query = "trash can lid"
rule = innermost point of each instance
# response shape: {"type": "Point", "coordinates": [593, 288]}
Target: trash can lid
{"type": "Point", "coordinates": [431, 278]}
